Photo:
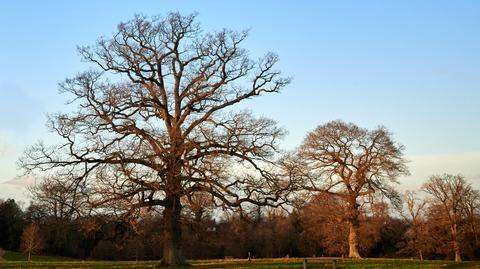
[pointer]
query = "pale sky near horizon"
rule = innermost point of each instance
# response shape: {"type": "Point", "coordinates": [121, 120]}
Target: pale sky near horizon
{"type": "Point", "coordinates": [412, 66]}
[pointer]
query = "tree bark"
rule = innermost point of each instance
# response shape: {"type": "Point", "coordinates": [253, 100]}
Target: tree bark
{"type": "Point", "coordinates": [353, 239]}
{"type": "Point", "coordinates": [456, 246]}
{"type": "Point", "coordinates": [353, 225]}
{"type": "Point", "coordinates": [458, 256]}
{"type": "Point", "coordinates": [172, 233]}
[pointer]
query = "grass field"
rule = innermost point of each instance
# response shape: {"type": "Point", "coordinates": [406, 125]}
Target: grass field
{"type": "Point", "coordinates": [17, 256]}
{"type": "Point", "coordinates": [17, 260]}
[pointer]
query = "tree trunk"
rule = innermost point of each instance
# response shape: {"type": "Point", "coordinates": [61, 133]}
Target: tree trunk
{"type": "Point", "coordinates": [172, 233]}
{"type": "Point", "coordinates": [29, 256]}
{"type": "Point", "coordinates": [353, 225]}
{"type": "Point", "coordinates": [353, 239]}
{"type": "Point", "coordinates": [458, 256]}
{"type": "Point", "coordinates": [456, 246]}
{"type": "Point", "coordinates": [420, 254]}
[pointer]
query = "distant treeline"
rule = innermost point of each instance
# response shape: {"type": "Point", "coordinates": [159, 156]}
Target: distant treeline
{"type": "Point", "coordinates": [315, 228]}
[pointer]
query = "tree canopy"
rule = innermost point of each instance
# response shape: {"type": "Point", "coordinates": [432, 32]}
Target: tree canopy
{"type": "Point", "coordinates": [153, 122]}
{"type": "Point", "coordinates": [349, 162]}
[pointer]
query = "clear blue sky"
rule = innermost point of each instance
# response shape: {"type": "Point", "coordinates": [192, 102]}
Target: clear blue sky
{"type": "Point", "coordinates": [413, 66]}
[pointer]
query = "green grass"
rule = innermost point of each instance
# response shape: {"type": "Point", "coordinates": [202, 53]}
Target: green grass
{"type": "Point", "coordinates": [57, 263]}
{"type": "Point", "coordinates": [18, 256]}
{"type": "Point", "coordinates": [327, 263]}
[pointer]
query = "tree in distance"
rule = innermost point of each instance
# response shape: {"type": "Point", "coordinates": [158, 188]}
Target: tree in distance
{"type": "Point", "coordinates": [31, 240]}
{"type": "Point", "coordinates": [413, 213]}
{"type": "Point", "coordinates": [349, 162]}
{"type": "Point", "coordinates": [155, 123]}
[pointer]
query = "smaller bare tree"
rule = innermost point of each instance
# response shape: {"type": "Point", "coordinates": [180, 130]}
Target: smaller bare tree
{"type": "Point", "coordinates": [450, 192]}
{"type": "Point", "coordinates": [31, 241]}
{"type": "Point", "coordinates": [60, 199]}
{"type": "Point", "coordinates": [197, 205]}
{"type": "Point", "coordinates": [413, 213]}
{"type": "Point", "coordinates": [471, 208]}
{"type": "Point", "coordinates": [351, 163]}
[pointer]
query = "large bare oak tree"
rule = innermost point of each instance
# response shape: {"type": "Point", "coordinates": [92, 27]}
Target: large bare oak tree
{"type": "Point", "coordinates": [154, 123]}
{"type": "Point", "coordinates": [350, 162]}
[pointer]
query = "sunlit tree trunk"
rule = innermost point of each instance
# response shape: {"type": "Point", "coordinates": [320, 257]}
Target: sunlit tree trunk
{"type": "Point", "coordinates": [172, 233]}
{"type": "Point", "coordinates": [353, 225]}
{"type": "Point", "coordinates": [353, 239]}
{"type": "Point", "coordinates": [456, 246]}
